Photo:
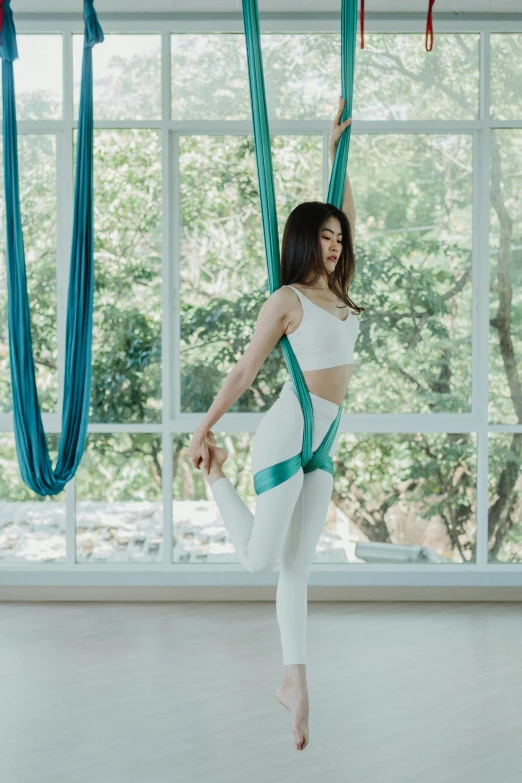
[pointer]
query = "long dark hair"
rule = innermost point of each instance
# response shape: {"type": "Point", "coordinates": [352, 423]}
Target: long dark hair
{"type": "Point", "coordinates": [301, 249]}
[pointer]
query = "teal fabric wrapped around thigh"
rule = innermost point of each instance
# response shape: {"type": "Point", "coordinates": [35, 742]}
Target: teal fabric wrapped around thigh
{"type": "Point", "coordinates": [276, 474]}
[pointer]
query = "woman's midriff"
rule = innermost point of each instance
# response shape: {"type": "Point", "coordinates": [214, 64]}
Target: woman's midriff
{"type": "Point", "coordinates": [330, 384]}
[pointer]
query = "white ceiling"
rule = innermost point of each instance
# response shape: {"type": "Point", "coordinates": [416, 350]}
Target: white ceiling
{"type": "Point", "coordinates": [265, 6]}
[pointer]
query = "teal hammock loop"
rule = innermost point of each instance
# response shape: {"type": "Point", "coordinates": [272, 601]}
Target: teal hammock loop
{"type": "Point", "coordinates": [31, 446]}
{"type": "Point", "coordinates": [274, 475]}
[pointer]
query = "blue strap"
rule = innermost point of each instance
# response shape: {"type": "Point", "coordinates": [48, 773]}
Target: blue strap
{"type": "Point", "coordinates": [31, 446]}
{"type": "Point", "coordinates": [276, 474]}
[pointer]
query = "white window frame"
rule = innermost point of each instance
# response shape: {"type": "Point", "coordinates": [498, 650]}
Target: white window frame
{"type": "Point", "coordinates": [431, 577]}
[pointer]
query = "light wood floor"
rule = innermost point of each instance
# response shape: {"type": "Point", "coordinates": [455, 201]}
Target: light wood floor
{"type": "Point", "coordinates": [161, 693]}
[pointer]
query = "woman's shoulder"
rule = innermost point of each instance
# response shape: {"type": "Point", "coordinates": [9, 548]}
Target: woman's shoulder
{"type": "Point", "coordinates": [282, 302]}
{"type": "Point", "coordinates": [283, 294]}
{"type": "Point", "coordinates": [281, 297]}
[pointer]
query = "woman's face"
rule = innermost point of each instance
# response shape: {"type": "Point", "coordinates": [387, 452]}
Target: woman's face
{"type": "Point", "coordinates": [331, 243]}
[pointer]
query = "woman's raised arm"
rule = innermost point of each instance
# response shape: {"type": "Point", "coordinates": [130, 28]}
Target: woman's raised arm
{"type": "Point", "coordinates": [348, 206]}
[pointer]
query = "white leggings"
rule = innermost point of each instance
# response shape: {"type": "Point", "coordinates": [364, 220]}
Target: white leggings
{"type": "Point", "coordinates": [289, 518]}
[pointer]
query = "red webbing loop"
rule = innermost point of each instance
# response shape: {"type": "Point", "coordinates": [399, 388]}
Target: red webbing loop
{"type": "Point", "coordinates": [362, 24]}
{"type": "Point", "coordinates": [429, 27]}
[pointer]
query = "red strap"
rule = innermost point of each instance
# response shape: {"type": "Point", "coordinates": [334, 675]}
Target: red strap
{"type": "Point", "coordinates": [429, 27]}
{"type": "Point", "coordinates": [362, 24]}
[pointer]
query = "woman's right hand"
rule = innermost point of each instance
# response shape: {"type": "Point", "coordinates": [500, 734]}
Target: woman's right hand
{"type": "Point", "coordinates": [198, 449]}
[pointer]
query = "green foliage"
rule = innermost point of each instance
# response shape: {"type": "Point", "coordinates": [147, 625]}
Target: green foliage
{"type": "Point", "coordinates": [428, 475]}
{"type": "Point", "coordinates": [126, 383]}
{"type": "Point", "coordinates": [120, 467]}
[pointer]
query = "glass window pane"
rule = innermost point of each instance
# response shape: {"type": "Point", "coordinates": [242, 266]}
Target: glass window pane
{"type": "Point", "coordinates": [38, 77]}
{"type": "Point", "coordinates": [396, 79]}
{"type": "Point", "coordinates": [209, 77]}
{"type": "Point", "coordinates": [407, 498]}
{"type": "Point", "coordinates": [413, 195]}
{"type": "Point", "coordinates": [506, 76]}
{"type": "Point", "coordinates": [505, 289]}
{"type": "Point", "coordinates": [37, 170]}
{"type": "Point", "coordinates": [302, 75]}
{"type": "Point", "coordinates": [119, 508]}
{"type": "Point", "coordinates": [223, 266]}
{"type": "Point", "coordinates": [126, 349]}
{"type": "Point", "coordinates": [126, 77]}
{"type": "Point", "coordinates": [32, 526]}
{"type": "Point", "coordinates": [504, 493]}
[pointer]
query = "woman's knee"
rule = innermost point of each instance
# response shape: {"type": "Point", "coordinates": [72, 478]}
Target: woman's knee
{"type": "Point", "coordinates": [261, 562]}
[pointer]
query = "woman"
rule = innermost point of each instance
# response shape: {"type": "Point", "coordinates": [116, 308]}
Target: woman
{"type": "Point", "coordinates": [312, 308]}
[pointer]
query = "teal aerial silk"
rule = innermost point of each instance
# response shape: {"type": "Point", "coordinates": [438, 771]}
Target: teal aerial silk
{"type": "Point", "coordinates": [275, 474]}
{"type": "Point", "coordinates": [31, 445]}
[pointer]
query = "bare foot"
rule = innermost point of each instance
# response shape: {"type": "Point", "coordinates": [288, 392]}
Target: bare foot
{"type": "Point", "coordinates": [218, 456]}
{"type": "Point", "coordinates": [294, 696]}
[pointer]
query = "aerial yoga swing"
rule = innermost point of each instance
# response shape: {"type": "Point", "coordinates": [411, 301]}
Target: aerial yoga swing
{"type": "Point", "coordinates": [294, 493]}
{"type": "Point", "coordinates": [308, 460]}
{"type": "Point", "coordinates": [31, 446]}
{"type": "Point", "coordinates": [272, 476]}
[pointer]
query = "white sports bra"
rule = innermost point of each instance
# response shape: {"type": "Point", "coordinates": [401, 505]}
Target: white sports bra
{"type": "Point", "coordinates": [322, 340]}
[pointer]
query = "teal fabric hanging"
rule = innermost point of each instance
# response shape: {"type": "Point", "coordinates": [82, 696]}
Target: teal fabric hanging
{"type": "Point", "coordinates": [33, 456]}
{"type": "Point", "coordinates": [272, 476]}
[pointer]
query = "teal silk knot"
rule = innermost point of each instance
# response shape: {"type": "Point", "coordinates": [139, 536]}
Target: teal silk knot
{"type": "Point", "coordinates": [8, 47]}
{"type": "Point", "coordinates": [93, 33]}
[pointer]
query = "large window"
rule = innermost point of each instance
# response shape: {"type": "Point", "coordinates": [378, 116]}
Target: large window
{"type": "Point", "coordinates": [433, 415]}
